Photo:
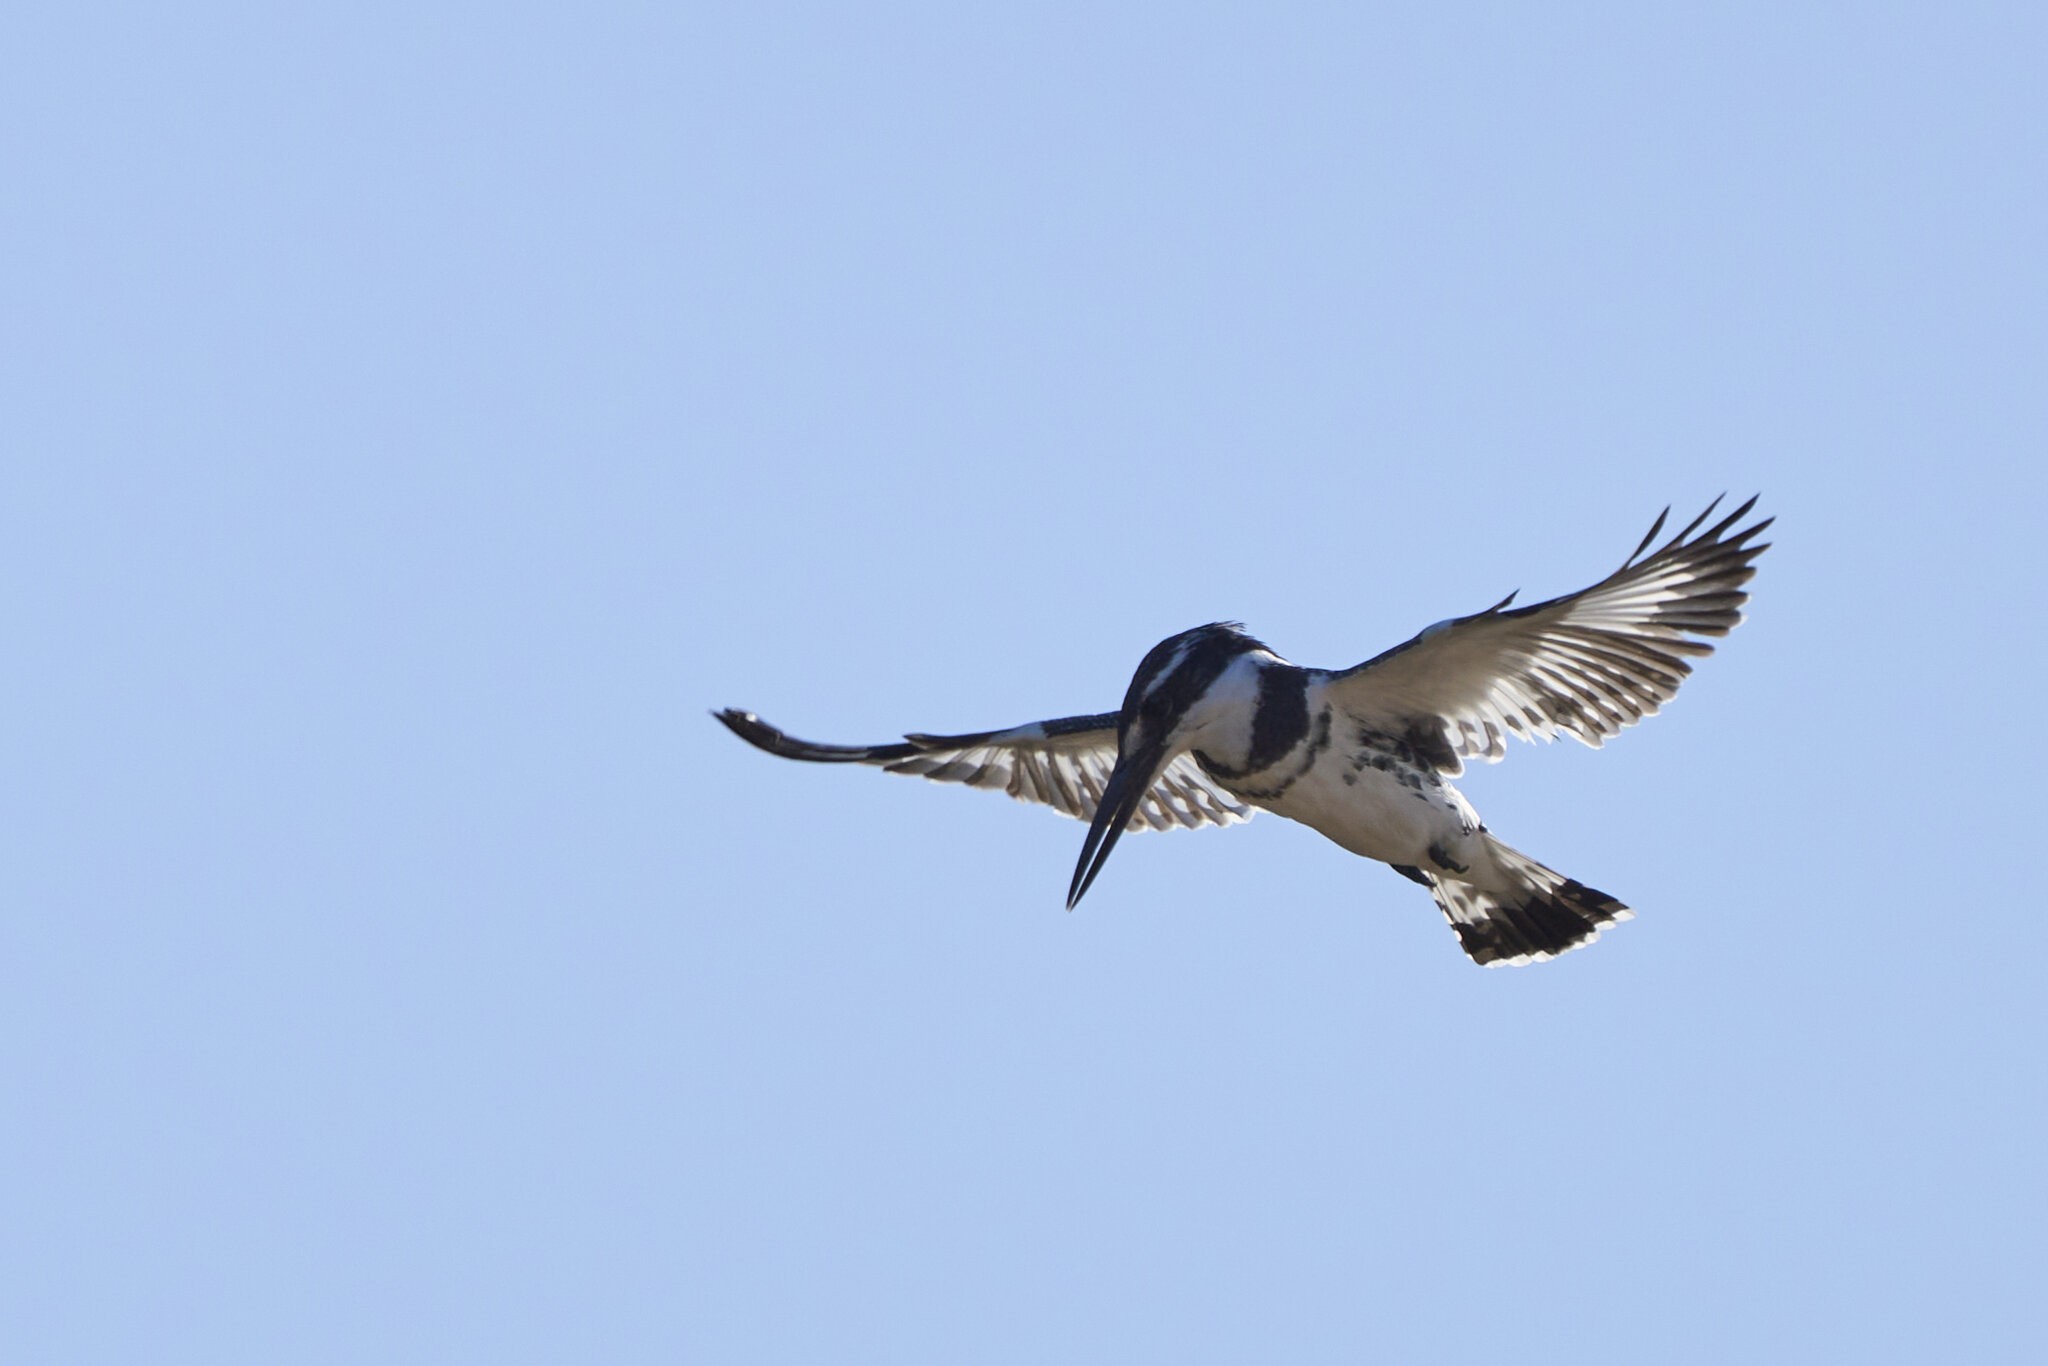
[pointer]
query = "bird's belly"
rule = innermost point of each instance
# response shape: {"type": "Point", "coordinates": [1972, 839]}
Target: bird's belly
{"type": "Point", "coordinates": [1395, 816]}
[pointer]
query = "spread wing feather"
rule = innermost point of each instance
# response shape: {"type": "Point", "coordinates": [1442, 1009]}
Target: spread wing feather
{"type": "Point", "coordinates": [1585, 665]}
{"type": "Point", "coordinates": [1063, 764]}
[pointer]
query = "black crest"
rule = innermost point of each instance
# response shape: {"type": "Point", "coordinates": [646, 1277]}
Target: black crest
{"type": "Point", "coordinates": [1180, 669]}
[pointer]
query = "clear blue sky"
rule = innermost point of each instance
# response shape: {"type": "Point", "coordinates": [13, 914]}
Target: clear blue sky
{"type": "Point", "coordinates": [416, 417]}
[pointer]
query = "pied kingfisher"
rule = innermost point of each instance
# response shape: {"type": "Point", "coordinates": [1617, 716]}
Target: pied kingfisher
{"type": "Point", "coordinates": [1215, 724]}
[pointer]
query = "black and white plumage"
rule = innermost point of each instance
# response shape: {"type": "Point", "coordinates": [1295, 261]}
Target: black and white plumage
{"type": "Point", "coordinates": [1216, 725]}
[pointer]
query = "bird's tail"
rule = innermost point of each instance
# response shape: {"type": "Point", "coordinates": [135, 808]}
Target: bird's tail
{"type": "Point", "coordinates": [1522, 912]}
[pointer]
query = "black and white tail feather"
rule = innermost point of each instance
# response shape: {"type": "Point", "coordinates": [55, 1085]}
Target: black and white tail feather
{"type": "Point", "coordinates": [1530, 913]}
{"type": "Point", "coordinates": [1215, 725]}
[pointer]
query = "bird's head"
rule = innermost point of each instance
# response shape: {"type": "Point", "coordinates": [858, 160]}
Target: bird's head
{"type": "Point", "coordinates": [1182, 689]}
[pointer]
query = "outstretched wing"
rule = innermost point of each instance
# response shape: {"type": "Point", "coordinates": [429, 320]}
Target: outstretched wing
{"type": "Point", "coordinates": [1585, 665]}
{"type": "Point", "coordinates": [1063, 764]}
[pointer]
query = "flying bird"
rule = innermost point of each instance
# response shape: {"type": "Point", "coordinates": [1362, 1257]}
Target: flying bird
{"type": "Point", "coordinates": [1215, 725]}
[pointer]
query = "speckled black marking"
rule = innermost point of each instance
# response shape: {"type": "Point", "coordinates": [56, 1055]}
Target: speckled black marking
{"type": "Point", "coordinates": [1380, 743]}
{"type": "Point", "coordinates": [1441, 857]}
{"type": "Point", "coordinates": [1426, 743]}
{"type": "Point", "coordinates": [1384, 753]}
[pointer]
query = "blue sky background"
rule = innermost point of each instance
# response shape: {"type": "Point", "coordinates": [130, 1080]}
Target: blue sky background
{"type": "Point", "coordinates": [417, 417]}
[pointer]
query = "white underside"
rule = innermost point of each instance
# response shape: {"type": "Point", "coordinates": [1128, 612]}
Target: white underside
{"type": "Point", "coordinates": [1380, 817]}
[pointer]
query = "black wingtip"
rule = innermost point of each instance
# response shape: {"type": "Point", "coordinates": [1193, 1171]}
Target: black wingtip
{"type": "Point", "coordinates": [1648, 537]}
{"type": "Point", "coordinates": [1713, 534]}
{"type": "Point", "coordinates": [748, 727]}
{"type": "Point", "coordinates": [763, 736]}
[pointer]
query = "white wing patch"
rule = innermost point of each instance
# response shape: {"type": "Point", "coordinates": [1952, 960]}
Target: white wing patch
{"type": "Point", "coordinates": [1062, 764]}
{"type": "Point", "coordinates": [1070, 781]}
{"type": "Point", "coordinates": [1587, 665]}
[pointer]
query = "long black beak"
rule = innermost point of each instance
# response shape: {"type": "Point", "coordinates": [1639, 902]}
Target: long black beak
{"type": "Point", "coordinates": [1128, 783]}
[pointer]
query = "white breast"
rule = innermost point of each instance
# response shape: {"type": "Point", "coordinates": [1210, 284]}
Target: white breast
{"type": "Point", "coordinates": [1368, 801]}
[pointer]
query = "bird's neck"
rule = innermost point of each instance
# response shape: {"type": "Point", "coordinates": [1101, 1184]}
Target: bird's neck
{"type": "Point", "coordinates": [1253, 714]}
